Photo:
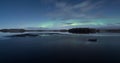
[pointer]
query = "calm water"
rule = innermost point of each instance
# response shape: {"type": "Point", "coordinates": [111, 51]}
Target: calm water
{"type": "Point", "coordinates": [60, 48]}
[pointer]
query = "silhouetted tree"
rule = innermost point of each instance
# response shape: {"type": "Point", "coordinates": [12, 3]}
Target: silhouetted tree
{"type": "Point", "coordinates": [83, 30]}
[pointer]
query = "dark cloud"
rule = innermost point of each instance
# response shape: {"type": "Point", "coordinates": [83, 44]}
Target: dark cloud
{"type": "Point", "coordinates": [68, 23]}
{"type": "Point", "coordinates": [65, 11]}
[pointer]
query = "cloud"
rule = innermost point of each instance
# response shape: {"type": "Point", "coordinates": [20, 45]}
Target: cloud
{"type": "Point", "coordinates": [65, 10]}
{"type": "Point", "coordinates": [83, 24]}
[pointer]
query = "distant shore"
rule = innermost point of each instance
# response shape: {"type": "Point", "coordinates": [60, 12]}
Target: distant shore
{"type": "Point", "coordinates": [72, 30]}
{"type": "Point", "coordinates": [24, 30]}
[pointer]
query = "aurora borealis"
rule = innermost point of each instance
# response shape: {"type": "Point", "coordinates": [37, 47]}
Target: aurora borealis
{"type": "Point", "coordinates": [57, 14]}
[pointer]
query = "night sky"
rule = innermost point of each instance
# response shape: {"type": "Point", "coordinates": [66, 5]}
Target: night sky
{"type": "Point", "coordinates": [57, 14]}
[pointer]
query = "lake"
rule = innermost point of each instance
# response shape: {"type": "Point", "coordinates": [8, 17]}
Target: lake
{"type": "Point", "coordinates": [60, 48]}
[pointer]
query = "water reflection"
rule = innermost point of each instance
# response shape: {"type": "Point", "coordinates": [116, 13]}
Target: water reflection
{"type": "Point", "coordinates": [81, 37]}
{"type": "Point", "coordinates": [33, 35]}
{"type": "Point", "coordinates": [55, 47]}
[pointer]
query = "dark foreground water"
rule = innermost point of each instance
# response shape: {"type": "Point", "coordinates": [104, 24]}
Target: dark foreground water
{"type": "Point", "coordinates": [60, 48]}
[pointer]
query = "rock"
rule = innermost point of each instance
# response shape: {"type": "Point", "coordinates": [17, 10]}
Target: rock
{"type": "Point", "coordinates": [25, 35]}
{"type": "Point", "coordinates": [92, 40]}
